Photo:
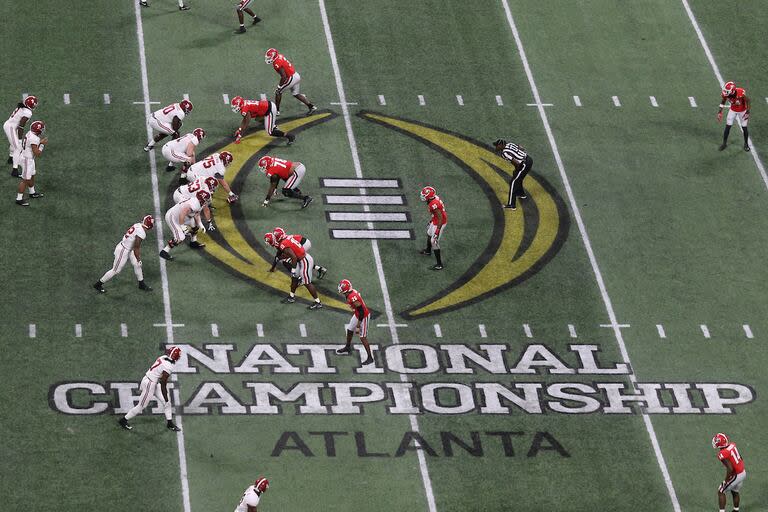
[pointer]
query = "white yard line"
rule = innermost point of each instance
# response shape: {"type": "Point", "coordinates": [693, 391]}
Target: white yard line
{"type": "Point", "coordinates": [499, 101]}
{"type": "Point", "coordinates": [577, 101]}
{"type": "Point", "coordinates": [616, 102]}
{"type": "Point", "coordinates": [719, 77]}
{"type": "Point", "coordinates": [572, 331]}
{"type": "Point", "coordinates": [705, 331]}
{"type": "Point", "coordinates": [422, 101]}
{"type": "Point", "coordinates": [438, 331]}
{"type": "Point", "coordinates": [382, 100]}
{"type": "Point", "coordinates": [483, 333]}
{"type": "Point", "coordinates": [660, 330]}
{"type": "Point", "coordinates": [426, 481]}
{"type": "Point", "coordinates": [748, 331]}
{"type": "Point", "coordinates": [654, 103]}
{"type": "Point", "coordinates": [160, 242]}
{"type": "Point", "coordinates": [590, 253]}
{"type": "Point", "coordinates": [260, 330]}
{"type": "Point", "coordinates": [692, 101]}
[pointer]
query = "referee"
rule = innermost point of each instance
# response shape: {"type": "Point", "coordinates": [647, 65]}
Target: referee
{"type": "Point", "coordinates": [523, 164]}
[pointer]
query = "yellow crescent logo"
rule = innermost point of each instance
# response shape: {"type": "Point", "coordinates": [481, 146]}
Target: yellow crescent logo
{"type": "Point", "coordinates": [233, 244]}
{"type": "Point", "coordinates": [521, 243]}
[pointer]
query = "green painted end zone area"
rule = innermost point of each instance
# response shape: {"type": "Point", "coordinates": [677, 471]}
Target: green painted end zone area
{"type": "Point", "coordinates": [513, 378]}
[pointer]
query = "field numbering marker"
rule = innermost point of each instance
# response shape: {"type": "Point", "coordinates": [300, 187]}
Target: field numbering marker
{"type": "Point", "coordinates": [169, 335]}
{"type": "Point", "coordinates": [123, 330]}
{"type": "Point", "coordinates": [32, 331]}
{"type": "Point", "coordinates": [572, 331]}
{"type": "Point", "coordinates": [483, 334]}
{"type": "Point", "coordinates": [260, 330]}
{"type": "Point", "coordinates": [412, 419]}
{"type": "Point", "coordinates": [499, 102]}
{"type": "Point", "coordinates": [705, 331]}
{"type": "Point", "coordinates": [591, 256]}
{"type": "Point", "coordinates": [660, 330]}
{"type": "Point", "coordinates": [303, 330]}
{"type": "Point", "coordinates": [616, 102]}
{"type": "Point", "coordinates": [654, 103]}
{"type": "Point", "coordinates": [382, 101]}
{"type": "Point", "coordinates": [719, 77]}
{"type": "Point", "coordinates": [527, 330]}
{"type": "Point", "coordinates": [748, 331]}
{"type": "Point", "coordinates": [577, 101]}
{"type": "Point", "coordinates": [692, 101]}
{"type": "Point", "coordinates": [422, 101]}
{"type": "Point", "coordinates": [78, 331]}
{"type": "Point", "coordinates": [215, 330]}
{"type": "Point", "coordinates": [66, 99]}
{"type": "Point", "coordinates": [107, 99]}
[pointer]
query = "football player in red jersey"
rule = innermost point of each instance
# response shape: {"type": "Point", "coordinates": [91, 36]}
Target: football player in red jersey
{"type": "Point", "coordinates": [291, 172]}
{"type": "Point", "coordinates": [289, 79]}
{"type": "Point", "coordinates": [436, 226]}
{"type": "Point", "coordinates": [274, 238]}
{"type": "Point", "coordinates": [242, 5]}
{"type": "Point", "coordinates": [729, 455]}
{"type": "Point", "coordinates": [301, 265]}
{"type": "Point", "coordinates": [358, 322]}
{"type": "Point", "coordinates": [265, 109]}
{"type": "Point", "coordinates": [740, 105]}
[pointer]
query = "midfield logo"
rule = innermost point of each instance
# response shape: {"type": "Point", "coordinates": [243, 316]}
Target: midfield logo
{"type": "Point", "coordinates": [521, 243]}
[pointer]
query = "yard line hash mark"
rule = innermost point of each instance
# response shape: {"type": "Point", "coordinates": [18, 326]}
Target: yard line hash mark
{"type": "Point", "coordinates": [438, 331]}
{"type": "Point", "coordinates": [78, 331]}
{"type": "Point", "coordinates": [660, 330]}
{"type": "Point", "coordinates": [303, 330]}
{"type": "Point", "coordinates": [123, 330]}
{"type": "Point", "coordinates": [422, 101]}
{"type": "Point", "coordinates": [577, 101]}
{"type": "Point", "coordinates": [483, 334]}
{"type": "Point", "coordinates": [382, 101]}
{"type": "Point", "coordinates": [460, 100]}
{"type": "Point", "coordinates": [263, 97]}
{"type": "Point", "coordinates": [186, 96]}
{"type": "Point", "coordinates": [692, 101]}
{"type": "Point", "coordinates": [225, 97]}
{"type": "Point", "coordinates": [654, 103]}
{"type": "Point", "coordinates": [499, 101]}
{"type": "Point", "coordinates": [215, 330]}
{"type": "Point", "coordinates": [107, 99]}
{"type": "Point", "coordinates": [572, 331]}
{"type": "Point", "coordinates": [748, 331]}
{"type": "Point", "coordinates": [32, 331]}
{"type": "Point", "coordinates": [260, 330]}
{"type": "Point", "coordinates": [705, 331]}
{"type": "Point", "coordinates": [395, 336]}
{"type": "Point", "coordinates": [66, 99]}
{"type": "Point", "coordinates": [616, 102]}
{"type": "Point", "coordinates": [591, 256]}
{"type": "Point", "coordinates": [527, 330]}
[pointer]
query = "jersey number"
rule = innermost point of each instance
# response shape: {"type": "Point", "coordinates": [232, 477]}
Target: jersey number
{"type": "Point", "coordinates": [167, 110]}
{"type": "Point", "coordinates": [735, 453]}
{"type": "Point", "coordinates": [130, 231]}
{"type": "Point", "coordinates": [279, 162]}
{"type": "Point", "coordinates": [194, 187]}
{"type": "Point", "coordinates": [209, 162]}
{"type": "Point", "coordinates": [157, 363]}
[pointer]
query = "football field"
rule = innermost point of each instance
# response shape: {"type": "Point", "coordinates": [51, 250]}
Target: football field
{"type": "Point", "coordinates": [577, 353]}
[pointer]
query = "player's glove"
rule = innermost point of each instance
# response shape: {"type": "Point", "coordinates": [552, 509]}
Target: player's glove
{"type": "Point", "coordinates": [232, 198]}
{"type": "Point", "coordinates": [210, 226]}
{"type": "Point", "coordinates": [238, 135]}
{"type": "Point", "coordinates": [265, 203]}
{"type": "Point", "coordinates": [719, 116]}
{"type": "Point", "coordinates": [202, 228]}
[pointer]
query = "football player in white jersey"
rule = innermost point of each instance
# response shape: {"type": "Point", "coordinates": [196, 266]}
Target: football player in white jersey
{"type": "Point", "coordinates": [185, 192]}
{"type": "Point", "coordinates": [213, 166]}
{"type": "Point", "coordinates": [14, 130]}
{"type": "Point", "coordinates": [167, 121]}
{"type": "Point", "coordinates": [252, 495]}
{"type": "Point", "coordinates": [129, 248]}
{"type": "Point", "coordinates": [155, 384]}
{"type": "Point", "coordinates": [182, 6]}
{"type": "Point", "coordinates": [31, 147]}
{"type": "Point", "coordinates": [184, 218]}
{"type": "Point", "coordinates": [183, 150]}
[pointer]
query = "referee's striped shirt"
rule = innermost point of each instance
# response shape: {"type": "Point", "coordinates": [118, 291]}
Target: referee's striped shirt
{"type": "Point", "coordinates": [514, 153]}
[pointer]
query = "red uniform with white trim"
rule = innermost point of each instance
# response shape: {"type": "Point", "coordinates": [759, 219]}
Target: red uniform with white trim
{"type": "Point", "coordinates": [304, 264]}
{"type": "Point", "coordinates": [279, 167]}
{"type": "Point", "coordinates": [731, 454]}
{"type": "Point", "coordinates": [738, 107]}
{"type": "Point", "coordinates": [436, 207]}
{"type": "Point", "coordinates": [355, 321]}
{"type": "Point", "coordinates": [261, 108]}
{"type": "Point", "coordinates": [293, 77]}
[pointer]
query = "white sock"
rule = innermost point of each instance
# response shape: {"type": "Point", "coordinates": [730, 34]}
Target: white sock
{"type": "Point", "coordinates": [167, 248]}
{"type": "Point", "coordinates": [31, 190]}
{"type": "Point", "coordinates": [19, 197]}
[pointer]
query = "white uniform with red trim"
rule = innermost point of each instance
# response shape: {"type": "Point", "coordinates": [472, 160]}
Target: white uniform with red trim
{"type": "Point", "coordinates": [185, 192]}
{"type": "Point", "coordinates": [242, 4]}
{"type": "Point", "coordinates": [211, 166]}
{"type": "Point", "coordinates": [162, 120]}
{"type": "Point", "coordinates": [124, 252]}
{"type": "Point", "coordinates": [176, 150]}
{"type": "Point", "coordinates": [10, 126]}
{"type": "Point", "coordinates": [26, 157]}
{"type": "Point", "coordinates": [149, 388]}
{"type": "Point", "coordinates": [178, 231]}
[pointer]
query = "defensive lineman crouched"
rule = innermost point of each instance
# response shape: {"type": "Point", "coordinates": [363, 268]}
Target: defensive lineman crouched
{"type": "Point", "coordinates": [436, 225]}
{"type": "Point", "coordinates": [273, 239]}
{"type": "Point", "coordinates": [301, 264]}
{"type": "Point", "coordinates": [291, 172]}
{"type": "Point", "coordinates": [182, 150]}
{"type": "Point", "coordinates": [167, 121]}
{"type": "Point", "coordinates": [183, 218]}
{"type": "Point", "coordinates": [129, 248]}
{"type": "Point", "coordinates": [31, 147]}
{"type": "Point", "coordinates": [289, 79]}
{"type": "Point", "coordinates": [252, 495]}
{"type": "Point", "coordinates": [264, 109]}
{"type": "Point", "coordinates": [14, 130]}
{"type": "Point", "coordinates": [158, 373]}
{"type": "Point", "coordinates": [735, 473]}
{"type": "Point", "coordinates": [359, 320]}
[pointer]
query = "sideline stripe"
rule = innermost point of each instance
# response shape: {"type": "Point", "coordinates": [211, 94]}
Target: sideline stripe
{"type": "Point", "coordinates": [78, 331]}
{"type": "Point", "coordinates": [654, 103]}
{"type": "Point", "coordinates": [483, 334]}
{"type": "Point", "coordinates": [692, 101]}
{"type": "Point", "coordinates": [572, 331]}
{"type": "Point", "coordinates": [303, 330]}
{"type": "Point", "coordinates": [590, 253]}
{"type": "Point", "coordinates": [438, 331]}
{"type": "Point", "coordinates": [499, 102]}
{"type": "Point", "coordinates": [107, 99]}
{"type": "Point", "coordinates": [382, 101]}
{"type": "Point", "coordinates": [660, 329]}
{"type": "Point", "coordinates": [527, 329]}
{"type": "Point", "coordinates": [123, 330]}
{"type": "Point", "coordinates": [414, 422]}
{"type": "Point", "coordinates": [160, 241]}
{"type": "Point", "coordinates": [616, 102]}
{"type": "Point", "coordinates": [719, 77]}
{"type": "Point", "coordinates": [577, 101]}
{"type": "Point", "coordinates": [748, 331]}
{"type": "Point", "coordinates": [705, 331]}
{"type": "Point", "coordinates": [215, 330]}
{"type": "Point", "coordinates": [422, 101]}
{"type": "Point", "coordinates": [260, 330]}
{"type": "Point", "coordinates": [32, 331]}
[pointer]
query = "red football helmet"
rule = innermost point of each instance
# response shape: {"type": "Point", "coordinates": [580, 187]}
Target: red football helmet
{"type": "Point", "coordinates": [173, 352]}
{"type": "Point", "coordinates": [186, 106]}
{"type": "Point", "coordinates": [148, 222]}
{"type": "Point", "coordinates": [720, 441]}
{"type": "Point", "coordinates": [278, 233]}
{"type": "Point", "coordinates": [212, 182]}
{"type": "Point", "coordinates": [270, 56]}
{"type": "Point", "coordinates": [428, 194]}
{"type": "Point", "coordinates": [38, 127]}
{"type": "Point", "coordinates": [226, 158]}
{"type": "Point", "coordinates": [30, 102]}
{"type": "Point", "coordinates": [729, 88]}
{"type": "Point", "coordinates": [345, 286]}
{"type": "Point", "coordinates": [264, 162]}
{"type": "Point", "coordinates": [270, 239]}
{"type": "Point", "coordinates": [203, 197]}
{"type": "Point", "coordinates": [261, 484]}
{"type": "Point", "coordinates": [237, 103]}
{"type": "Point", "coordinates": [199, 133]}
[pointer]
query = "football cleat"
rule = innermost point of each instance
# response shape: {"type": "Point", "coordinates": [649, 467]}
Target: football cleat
{"type": "Point", "coordinates": [437, 267]}
{"type": "Point", "coordinates": [164, 254]}
{"type": "Point", "coordinates": [720, 441]}
{"type": "Point", "coordinates": [368, 360]}
{"type": "Point", "coordinates": [170, 168]}
{"type": "Point", "coordinates": [30, 102]}
{"type": "Point", "coordinates": [269, 238]}
{"type": "Point", "coordinates": [510, 207]}
{"type": "Point", "coordinates": [237, 103]}
{"type": "Point", "coordinates": [147, 149]}
{"type": "Point", "coordinates": [288, 300]}
{"type": "Point", "coordinates": [321, 272]}
{"type": "Point", "coordinates": [171, 425]}
{"type": "Point", "coordinates": [344, 350]}
{"type": "Point", "coordinates": [173, 352]}
{"type": "Point", "coordinates": [194, 244]}
{"type": "Point", "coordinates": [345, 286]}
{"type": "Point", "coordinates": [36, 195]}
{"type": "Point", "coordinates": [722, 146]}
{"type": "Point", "coordinates": [256, 19]}
{"type": "Point", "coordinates": [270, 56]}
{"type": "Point", "coordinates": [428, 193]}
{"type": "Point", "coordinates": [315, 305]}
{"type": "Point", "coordinates": [425, 252]}
{"type": "Point", "coordinates": [183, 8]}
{"type": "Point", "coordinates": [199, 133]}
{"type": "Point", "coordinates": [264, 162]}
{"type": "Point", "coordinates": [124, 423]}
{"type": "Point", "coordinates": [22, 202]}
{"type": "Point", "coordinates": [729, 88]}
{"type": "Point", "coordinates": [240, 30]}
{"type": "Point", "coordinates": [144, 4]}
{"type": "Point", "coordinates": [261, 484]}
{"type": "Point", "coordinates": [291, 139]}
{"type": "Point", "coordinates": [279, 234]}
{"type": "Point", "coordinates": [306, 202]}
{"type": "Point", "coordinates": [144, 286]}
{"type": "Point", "coordinates": [226, 158]}
{"type": "Point", "coordinates": [10, 160]}
{"type": "Point", "coordinates": [747, 148]}
{"type": "Point", "coordinates": [99, 287]}
{"type": "Point", "coordinates": [186, 106]}
{"type": "Point", "coordinates": [38, 127]}
{"type": "Point", "coordinates": [312, 110]}
{"type": "Point", "coordinates": [148, 222]}
{"type": "Point", "coordinates": [15, 173]}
